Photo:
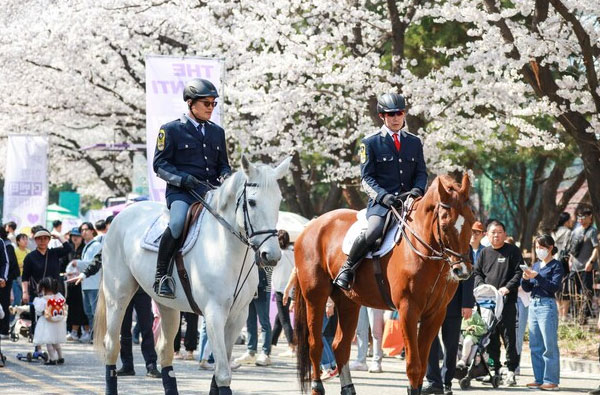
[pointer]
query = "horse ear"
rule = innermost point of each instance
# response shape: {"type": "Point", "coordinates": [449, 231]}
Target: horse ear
{"type": "Point", "coordinates": [465, 187]}
{"type": "Point", "coordinates": [248, 168]}
{"type": "Point", "coordinates": [282, 169]}
{"type": "Point", "coordinates": [444, 195]}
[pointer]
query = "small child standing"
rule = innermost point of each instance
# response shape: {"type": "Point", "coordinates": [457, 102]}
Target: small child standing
{"type": "Point", "coordinates": [51, 328]}
{"type": "Point", "coordinates": [473, 329]}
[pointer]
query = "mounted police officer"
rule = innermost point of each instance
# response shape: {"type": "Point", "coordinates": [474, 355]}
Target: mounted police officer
{"type": "Point", "coordinates": [392, 169]}
{"type": "Point", "coordinates": [190, 155]}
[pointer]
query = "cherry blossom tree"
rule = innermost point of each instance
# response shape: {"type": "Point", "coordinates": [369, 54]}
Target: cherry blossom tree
{"type": "Point", "coordinates": [302, 77]}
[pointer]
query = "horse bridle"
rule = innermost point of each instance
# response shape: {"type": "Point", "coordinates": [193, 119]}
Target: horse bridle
{"type": "Point", "coordinates": [245, 238]}
{"type": "Point", "coordinates": [445, 253]}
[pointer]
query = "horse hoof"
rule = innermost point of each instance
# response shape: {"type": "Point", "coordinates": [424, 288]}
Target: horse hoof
{"type": "Point", "coordinates": [111, 380]}
{"type": "Point", "coordinates": [317, 388]}
{"type": "Point", "coordinates": [413, 391]}
{"type": "Point", "coordinates": [169, 381]}
{"type": "Point", "coordinates": [348, 390]}
{"type": "Point", "coordinates": [225, 391]}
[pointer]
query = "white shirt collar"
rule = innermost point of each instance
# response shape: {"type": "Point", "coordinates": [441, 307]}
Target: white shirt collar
{"type": "Point", "coordinates": [194, 122]}
{"type": "Point", "coordinates": [389, 131]}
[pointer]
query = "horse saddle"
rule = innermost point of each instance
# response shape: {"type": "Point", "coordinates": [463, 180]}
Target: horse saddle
{"type": "Point", "coordinates": [390, 237]}
{"type": "Point", "coordinates": [151, 239]}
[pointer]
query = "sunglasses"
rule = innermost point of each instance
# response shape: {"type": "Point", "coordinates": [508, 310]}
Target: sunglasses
{"type": "Point", "coordinates": [395, 114]}
{"type": "Point", "coordinates": [209, 104]}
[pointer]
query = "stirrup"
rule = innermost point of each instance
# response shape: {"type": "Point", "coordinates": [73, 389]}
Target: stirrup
{"type": "Point", "coordinates": [167, 281]}
{"type": "Point", "coordinates": [343, 270]}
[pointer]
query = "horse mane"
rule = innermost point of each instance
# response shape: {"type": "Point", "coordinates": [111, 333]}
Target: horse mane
{"type": "Point", "coordinates": [227, 192]}
{"type": "Point", "coordinates": [451, 186]}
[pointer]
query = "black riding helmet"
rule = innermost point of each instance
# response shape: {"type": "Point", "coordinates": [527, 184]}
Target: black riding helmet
{"type": "Point", "coordinates": [390, 102]}
{"type": "Point", "coordinates": [197, 88]}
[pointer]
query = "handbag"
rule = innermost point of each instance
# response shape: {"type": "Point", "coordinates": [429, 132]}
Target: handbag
{"type": "Point", "coordinates": [393, 340]}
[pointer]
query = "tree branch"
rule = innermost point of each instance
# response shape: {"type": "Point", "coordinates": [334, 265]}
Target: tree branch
{"type": "Point", "coordinates": [586, 49]}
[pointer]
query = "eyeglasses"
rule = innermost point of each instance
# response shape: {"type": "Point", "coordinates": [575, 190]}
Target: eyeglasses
{"type": "Point", "coordinates": [582, 216]}
{"type": "Point", "coordinates": [476, 232]}
{"type": "Point", "coordinates": [209, 104]}
{"type": "Point", "coordinates": [395, 114]}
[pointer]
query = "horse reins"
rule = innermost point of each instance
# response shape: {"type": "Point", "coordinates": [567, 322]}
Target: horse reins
{"type": "Point", "coordinates": [445, 252]}
{"type": "Point", "coordinates": [443, 255]}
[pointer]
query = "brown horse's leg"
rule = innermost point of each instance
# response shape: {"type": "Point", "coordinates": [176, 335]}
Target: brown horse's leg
{"type": "Point", "coordinates": [315, 310]}
{"type": "Point", "coordinates": [428, 330]}
{"type": "Point", "coordinates": [347, 321]}
{"type": "Point", "coordinates": [409, 318]}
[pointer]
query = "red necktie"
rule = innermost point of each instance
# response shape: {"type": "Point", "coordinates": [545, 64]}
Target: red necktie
{"type": "Point", "coordinates": [396, 141]}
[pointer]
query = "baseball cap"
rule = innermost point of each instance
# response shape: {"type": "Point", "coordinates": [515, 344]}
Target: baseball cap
{"type": "Point", "coordinates": [478, 226]}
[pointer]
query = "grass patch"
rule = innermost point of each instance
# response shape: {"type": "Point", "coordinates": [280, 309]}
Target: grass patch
{"type": "Point", "coordinates": [578, 341]}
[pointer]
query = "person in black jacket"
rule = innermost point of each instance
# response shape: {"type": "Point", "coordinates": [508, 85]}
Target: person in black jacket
{"type": "Point", "coordinates": [499, 265]}
{"type": "Point", "coordinates": [460, 306]}
{"type": "Point", "coordinates": [9, 274]}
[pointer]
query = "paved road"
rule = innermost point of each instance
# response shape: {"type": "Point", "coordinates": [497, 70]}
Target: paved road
{"type": "Point", "coordinates": [83, 373]}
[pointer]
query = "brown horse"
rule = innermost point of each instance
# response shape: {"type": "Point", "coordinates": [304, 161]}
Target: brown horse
{"type": "Point", "coordinates": [422, 276]}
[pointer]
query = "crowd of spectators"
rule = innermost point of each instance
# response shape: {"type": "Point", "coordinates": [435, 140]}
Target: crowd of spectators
{"type": "Point", "coordinates": [554, 283]}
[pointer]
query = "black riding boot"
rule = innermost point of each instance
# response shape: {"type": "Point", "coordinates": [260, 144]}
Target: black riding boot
{"type": "Point", "coordinates": [345, 277]}
{"type": "Point", "coordinates": [163, 282]}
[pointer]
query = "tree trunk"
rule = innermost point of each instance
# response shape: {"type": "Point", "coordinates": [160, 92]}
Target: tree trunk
{"type": "Point", "coordinates": [354, 198]}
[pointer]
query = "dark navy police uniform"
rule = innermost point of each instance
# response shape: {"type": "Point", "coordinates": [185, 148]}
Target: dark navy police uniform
{"type": "Point", "coordinates": [385, 170]}
{"type": "Point", "coordinates": [182, 149]}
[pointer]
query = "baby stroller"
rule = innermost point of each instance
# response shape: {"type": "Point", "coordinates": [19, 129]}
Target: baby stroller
{"type": "Point", "coordinates": [21, 325]}
{"type": "Point", "coordinates": [489, 303]}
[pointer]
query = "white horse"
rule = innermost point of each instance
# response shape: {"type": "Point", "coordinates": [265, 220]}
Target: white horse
{"type": "Point", "coordinates": [249, 200]}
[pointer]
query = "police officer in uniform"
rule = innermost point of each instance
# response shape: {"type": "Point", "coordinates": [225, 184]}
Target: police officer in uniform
{"type": "Point", "coordinates": [190, 155]}
{"type": "Point", "coordinates": [392, 169]}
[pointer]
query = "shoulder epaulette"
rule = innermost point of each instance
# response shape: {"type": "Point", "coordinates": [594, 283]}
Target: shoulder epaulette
{"type": "Point", "coordinates": [371, 134]}
{"type": "Point", "coordinates": [414, 135]}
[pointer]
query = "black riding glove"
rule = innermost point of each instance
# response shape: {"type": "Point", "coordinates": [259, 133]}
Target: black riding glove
{"type": "Point", "coordinates": [190, 182]}
{"type": "Point", "coordinates": [391, 200]}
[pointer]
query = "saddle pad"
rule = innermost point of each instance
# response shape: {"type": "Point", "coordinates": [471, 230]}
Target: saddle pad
{"type": "Point", "coordinates": [151, 238]}
{"type": "Point", "coordinates": [391, 237]}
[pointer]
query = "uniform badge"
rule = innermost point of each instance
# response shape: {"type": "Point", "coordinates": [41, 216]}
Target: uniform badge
{"type": "Point", "coordinates": [363, 153]}
{"type": "Point", "coordinates": [160, 142]}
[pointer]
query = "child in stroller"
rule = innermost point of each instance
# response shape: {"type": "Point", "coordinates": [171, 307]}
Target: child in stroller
{"type": "Point", "coordinates": [476, 336]}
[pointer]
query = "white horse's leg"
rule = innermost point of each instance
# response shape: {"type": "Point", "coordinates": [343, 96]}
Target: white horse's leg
{"type": "Point", "coordinates": [116, 296]}
{"type": "Point", "coordinates": [232, 331]}
{"type": "Point", "coordinates": [169, 323]}
{"type": "Point", "coordinates": [215, 327]}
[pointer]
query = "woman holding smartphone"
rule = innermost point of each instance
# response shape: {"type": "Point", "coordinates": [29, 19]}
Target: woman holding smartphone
{"type": "Point", "coordinates": [543, 280]}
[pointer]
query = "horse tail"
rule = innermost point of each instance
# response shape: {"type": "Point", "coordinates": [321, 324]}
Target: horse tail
{"type": "Point", "coordinates": [302, 346]}
{"type": "Point", "coordinates": [100, 321]}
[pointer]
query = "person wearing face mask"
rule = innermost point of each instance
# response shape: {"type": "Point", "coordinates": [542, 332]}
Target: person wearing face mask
{"type": "Point", "coordinates": [544, 279]}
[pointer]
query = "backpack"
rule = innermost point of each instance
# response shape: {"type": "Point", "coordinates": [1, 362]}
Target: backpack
{"type": "Point", "coordinates": [56, 309]}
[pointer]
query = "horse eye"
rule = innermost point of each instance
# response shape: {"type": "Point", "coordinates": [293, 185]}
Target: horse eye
{"type": "Point", "coordinates": [252, 202]}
